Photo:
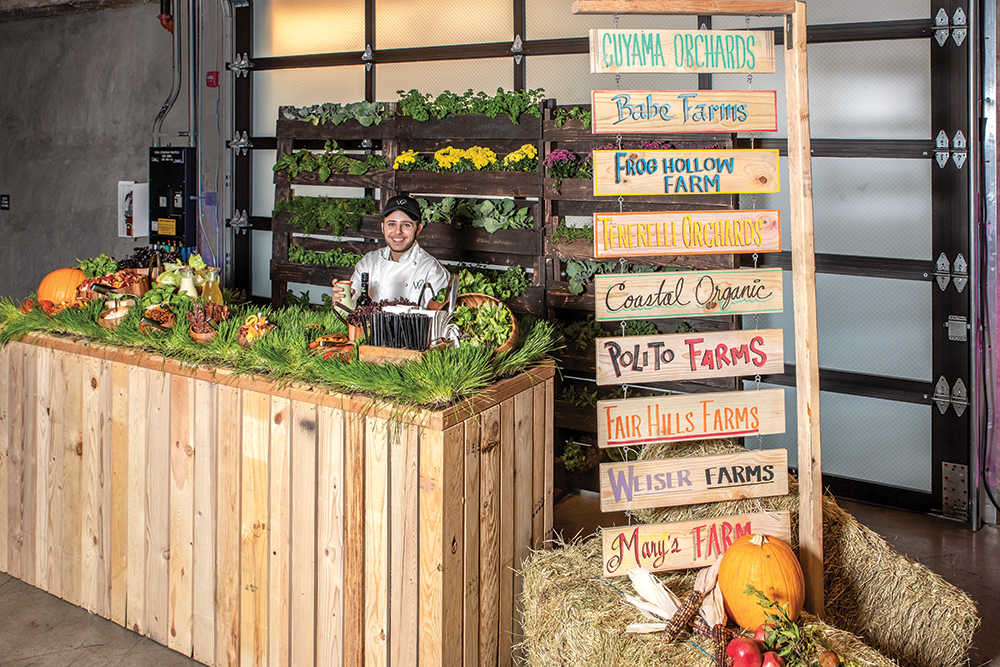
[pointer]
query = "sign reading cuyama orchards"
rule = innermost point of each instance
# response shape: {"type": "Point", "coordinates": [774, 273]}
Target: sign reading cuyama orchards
{"type": "Point", "coordinates": [685, 480]}
{"type": "Point", "coordinates": [700, 51]}
{"type": "Point", "coordinates": [635, 111]}
{"type": "Point", "coordinates": [685, 172]}
{"type": "Point", "coordinates": [688, 544]}
{"type": "Point", "coordinates": [633, 296]}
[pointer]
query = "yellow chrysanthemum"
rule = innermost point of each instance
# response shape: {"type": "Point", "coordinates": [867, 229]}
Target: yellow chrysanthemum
{"type": "Point", "coordinates": [449, 156]}
{"type": "Point", "coordinates": [481, 157]}
{"type": "Point", "coordinates": [409, 157]}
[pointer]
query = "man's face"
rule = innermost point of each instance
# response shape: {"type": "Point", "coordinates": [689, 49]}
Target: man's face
{"type": "Point", "coordinates": [399, 232]}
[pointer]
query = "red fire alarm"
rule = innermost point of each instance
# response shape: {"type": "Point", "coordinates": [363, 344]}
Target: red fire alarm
{"type": "Point", "coordinates": [212, 79]}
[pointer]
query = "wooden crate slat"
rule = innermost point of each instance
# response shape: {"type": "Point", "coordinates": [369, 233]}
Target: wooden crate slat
{"type": "Point", "coordinates": [4, 440]}
{"type": "Point", "coordinates": [354, 541]}
{"type": "Point", "coordinates": [375, 178]}
{"type": "Point", "coordinates": [404, 590]}
{"type": "Point", "coordinates": [206, 433]}
{"type": "Point", "coordinates": [229, 475]}
{"type": "Point", "coordinates": [137, 555]}
{"type": "Point", "coordinates": [119, 491]}
{"type": "Point", "coordinates": [15, 459]}
{"type": "Point", "coordinates": [470, 627]}
{"type": "Point", "coordinates": [331, 544]}
{"type": "Point", "coordinates": [182, 456]}
{"type": "Point", "coordinates": [523, 490]}
{"type": "Point", "coordinates": [44, 484]}
{"type": "Point", "coordinates": [489, 537]}
{"type": "Point", "coordinates": [158, 507]}
{"type": "Point", "coordinates": [537, 461]}
{"type": "Point", "coordinates": [468, 126]}
{"type": "Point", "coordinates": [302, 559]}
{"type": "Point", "coordinates": [376, 522]}
{"type": "Point", "coordinates": [480, 183]}
{"type": "Point", "coordinates": [279, 533]}
{"type": "Point", "coordinates": [254, 583]}
{"type": "Point", "coordinates": [549, 460]}
{"type": "Point", "coordinates": [350, 129]}
{"type": "Point", "coordinates": [507, 526]}
{"type": "Point", "coordinates": [29, 461]}
{"type": "Point", "coordinates": [91, 535]}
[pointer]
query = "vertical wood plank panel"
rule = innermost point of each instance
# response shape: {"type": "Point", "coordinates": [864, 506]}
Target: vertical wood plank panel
{"type": "Point", "coordinates": [538, 467]}
{"type": "Point", "coordinates": [253, 530]}
{"type": "Point", "coordinates": [54, 476]}
{"type": "Point", "coordinates": [158, 507]}
{"type": "Point", "coordinates": [106, 402]}
{"type": "Point", "coordinates": [524, 445]}
{"type": "Point", "coordinates": [376, 541]}
{"type": "Point", "coordinates": [404, 585]}
{"type": "Point", "coordinates": [470, 626]}
{"type": "Point", "coordinates": [119, 491]}
{"type": "Point", "coordinates": [181, 565]}
{"type": "Point", "coordinates": [43, 482]}
{"type": "Point", "coordinates": [280, 534]}
{"type": "Point", "coordinates": [15, 460]}
{"type": "Point", "coordinates": [227, 554]}
{"type": "Point", "coordinates": [507, 482]}
{"type": "Point", "coordinates": [203, 579]}
{"type": "Point", "coordinates": [71, 437]}
{"type": "Point", "coordinates": [304, 431]}
{"type": "Point", "coordinates": [29, 461]}
{"type": "Point", "coordinates": [4, 436]}
{"type": "Point", "coordinates": [489, 538]}
{"type": "Point", "coordinates": [137, 557]}
{"type": "Point", "coordinates": [549, 461]}
{"type": "Point", "coordinates": [90, 487]}
{"type": "Point", "coordinates": [354, 540]}
{"type": "Point", "coordinates": [331, 541]}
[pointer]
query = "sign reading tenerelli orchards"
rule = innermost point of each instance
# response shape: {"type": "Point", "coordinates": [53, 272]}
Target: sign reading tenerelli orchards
{"type": "Point", "coordinates": [684, 172]}
{"type": "Point", "coordinates": [635, 111]}
{"type": "Point", "coordinates": [681, 51]}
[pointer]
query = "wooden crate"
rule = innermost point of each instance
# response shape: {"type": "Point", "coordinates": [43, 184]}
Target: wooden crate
{"type": "Point", "coordinates": [244, 523]}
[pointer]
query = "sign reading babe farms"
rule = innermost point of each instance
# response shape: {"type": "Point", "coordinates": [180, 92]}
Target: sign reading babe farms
{"type": "Point", "coordinates": [634, 234]}
{"type": "Point", "coordinates": [685, 480]}
{"type": "Point", "coordinates": [700, 51]}
{"type": "Point", "coordinates": [635, 296]}
{"type": "Point", "coordinates": [732, 414]}
{"type": "Point", "coordinates": [684, 111]}
{"type": "Point", "coordinates": [678, 546]}
{"type": "Point", "coordinates": [677, 172]}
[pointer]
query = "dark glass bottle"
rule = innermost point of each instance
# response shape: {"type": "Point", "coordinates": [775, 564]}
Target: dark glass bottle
{"type": "Point", "coordinates": [363, 299]}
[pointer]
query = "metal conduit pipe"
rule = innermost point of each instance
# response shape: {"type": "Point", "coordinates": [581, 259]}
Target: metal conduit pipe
{"type": "Point", "coordinates": [176, 68]}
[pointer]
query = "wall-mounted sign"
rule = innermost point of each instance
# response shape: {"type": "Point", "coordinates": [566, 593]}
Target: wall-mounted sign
{"type": "Point", "coordinates": [677, 172]}
{"type": "Point", "coordinates": [685, 480]}
{"type": "Point", "coordinates": [689, 356]}
{"type": "Point", "coordinates": [677, 546]}
{"type": "Point", "coordinates": [685, 233]}
{"type": "Point", "coordinates": [731, 414]}
{"type": "Point", "coordinates": [684, 111]}
{"type": "Point", "coordinates": [700, 51]}
{"type": "Point", "coordinates": [635, 296]}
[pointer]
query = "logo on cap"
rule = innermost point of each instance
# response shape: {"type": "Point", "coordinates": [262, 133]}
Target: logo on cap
{"type": "Point", "coordinates": [401, 201]}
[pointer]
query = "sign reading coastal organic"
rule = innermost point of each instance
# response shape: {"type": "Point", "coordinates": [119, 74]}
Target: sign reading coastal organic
{"type": "Point", "coordinates": [676, 546]}
{"type": "Point", "coordinates": [634, 296]}
{"type": "Point", "coordinates": [731, 414]}
{"type": "Point", "coordinates": [678, 172]}
{"type": "Point", "coordinates": [685, 480]}
{"type": "Point", "coordinates": [633, 234]}
{"type": "Point", "coordinates": [700, 51]}
{"type": "Point", "coordinates": [684, 111]}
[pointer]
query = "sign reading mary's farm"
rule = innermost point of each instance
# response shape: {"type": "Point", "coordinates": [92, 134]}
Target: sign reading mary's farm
{"type": "Point", "coordinates": [635, 111]}
{"type": "Point", "coordinates": [700, 51]}
{"type": "Point", "coordinates": [681, 172]}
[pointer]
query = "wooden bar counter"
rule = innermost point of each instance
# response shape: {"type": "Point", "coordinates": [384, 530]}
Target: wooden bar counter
{"type": "Point", "coordinates": [247, 523]}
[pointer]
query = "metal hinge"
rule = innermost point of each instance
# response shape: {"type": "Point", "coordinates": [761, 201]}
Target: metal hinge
{"type": "Point", "coordinates": [944, 274]}
{"type": "Point", "coordinates": [241, 66]}
{"type": "Point", "coordinates": [957, 396]}
{"type": "Point", "coordinates": [367, 57]}
{"type": "Point", "coordinates": [517, 48]}
{"type": "Point", "coordinates": [944, 149]}
{"type": "Point", "coordinates": [241, 223]}
{"type": "Point", "coordinates": [958, 328]}
{"type": "Point", "coordinates": [957, 27]}
{"type": "Point", "coordinates": [955, 490]}
{"type": "Point", "coordinates": [240, 144]}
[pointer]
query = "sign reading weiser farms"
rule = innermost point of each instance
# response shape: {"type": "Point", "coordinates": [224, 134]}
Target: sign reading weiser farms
{"type": "Point", "coordinates": [630, 485]}
{"type": "Point", "coordinates": [677, 172]}
{"type": "Point", "coordinates": [678, 546]}
{"type": "Point", "coordinates": [686, 233]}
{"type": "Point", "coordinates": [684, 111]}
{"type": "Point", "coordinates": [635, 296]}
{"type": "Point", "coordinates": [700, 51]}
{"type": "Point", "coordinates": [731, 414]}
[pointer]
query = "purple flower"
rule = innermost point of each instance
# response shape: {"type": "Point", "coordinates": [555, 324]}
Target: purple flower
{"type": "Point", "coordinates": [560, 155]}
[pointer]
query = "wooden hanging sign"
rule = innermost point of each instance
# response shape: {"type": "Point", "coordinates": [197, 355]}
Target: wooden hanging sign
{"type": "Point", "coordinates": [662, 547]}
{"type": "Point", "coordinates": [627, 422]}
{"type": "Point", "coordinates": [684, 51]}
{"type": "Point", "coordinates": [629, 485]}
{"type": "Point", "coordinates": [689, 356]}
{"type": "Point", "coordinates": [643, 296]}
{"type": "Point", "coordinates": [677, 172]}
{"type": "Point", "coordinates": [636, 111]}
{"type": "Point", "coordinates": [635, 234]}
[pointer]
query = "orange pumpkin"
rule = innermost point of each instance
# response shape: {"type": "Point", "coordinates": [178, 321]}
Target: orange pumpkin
{"type": "Point", "coordinates": [771, 566]}
{"type": "Point", "coordinates": [60, 285]}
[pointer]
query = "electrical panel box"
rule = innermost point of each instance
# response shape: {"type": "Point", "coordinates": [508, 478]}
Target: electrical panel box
{"type": "Point", "coordinates": [173, 202]}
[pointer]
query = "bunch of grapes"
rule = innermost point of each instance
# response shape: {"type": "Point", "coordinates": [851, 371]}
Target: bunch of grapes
{"type": "Point", "coordinates": [362, 314]}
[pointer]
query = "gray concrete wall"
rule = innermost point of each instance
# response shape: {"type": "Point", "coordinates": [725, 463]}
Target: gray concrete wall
{"type": "Point", "coordinates": [78, 96]}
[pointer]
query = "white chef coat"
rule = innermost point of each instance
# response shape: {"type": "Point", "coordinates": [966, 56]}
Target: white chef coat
{"type": "Point", "coordinates": [391, 280]}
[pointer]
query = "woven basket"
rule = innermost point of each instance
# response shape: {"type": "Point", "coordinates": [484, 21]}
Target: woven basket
{"type": "Point", "coordinates": [473, 300]}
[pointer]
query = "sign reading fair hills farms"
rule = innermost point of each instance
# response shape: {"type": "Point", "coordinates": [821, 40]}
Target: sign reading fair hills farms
{"type": "Point", "coordinates": [732, 414]}
{"type": "Point", "coordinates": [677, 546]}
{"type": "Point", "coordinates": [681, 172]}
{"type": "Point", "coordinates": [634, 234]}
{"type": "Point", "coordinates": [684, 111]}
{"type": "Point", "coordinates": [634, 296]}
{"type": "Point", "coordinates": [686, 480]}
{"type": "Point", "coordinates": [700, 51]}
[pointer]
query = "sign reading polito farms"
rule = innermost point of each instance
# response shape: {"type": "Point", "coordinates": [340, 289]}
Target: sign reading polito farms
{"type": "Point", "coordinates": [684, 111]}
{"type": "Point", "coordinates": [682, 172]}
{"type": "Point", "coordinates": [732, 414]}
{"type": "Point", "coordinates": [693, 479]}
{"type": "Point", "coordinates": [689, 544]}
{"type": "Point", "coordinates": [634, 296]}
{"type": "Point", "coordinates": [681, 51]}
{"type": "Point", "coordinates": [685, 233]}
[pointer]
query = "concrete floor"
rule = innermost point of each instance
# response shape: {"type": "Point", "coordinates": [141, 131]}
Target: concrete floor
{"type": "Point", "coordinates": [39, 630]}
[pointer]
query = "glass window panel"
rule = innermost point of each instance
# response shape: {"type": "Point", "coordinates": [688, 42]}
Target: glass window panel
{"type": "Point", "coordinates": [554, 19]}
{"type": "Point", "coordinates": [838, 12]}
{"type": "Point", "coordinates": [297, 27]}
{"type": "Point", "coordinates": [401, 24]}
{"type": "Point", "coordinates": [568, 79]}
{"type": "Point", "coordinates": [437, 77]}
{"type": "Point", "coordinates": [302, 87]}
{"type": "Point", "coordinates": [868, 439]}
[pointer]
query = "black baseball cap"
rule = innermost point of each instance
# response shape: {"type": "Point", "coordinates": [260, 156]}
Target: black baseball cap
{"type": "Point", "coordinates": [404, 203]}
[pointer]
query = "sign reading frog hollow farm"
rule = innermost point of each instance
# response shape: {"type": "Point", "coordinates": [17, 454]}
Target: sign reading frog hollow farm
{"type": "Point", "coordinates": [685, 480]}
{"type": "Point", "coordinates": [635, 296]}
{"type": "Point", "coordinates": [684, 111]}
{"type": "Point", "coordinates": [677, 546]}
{"type": "Point", "coordinates": [686, 233]}
{"type": "Point", "coordinates": [682, 172]}
{"type": "Point", "coordinates": [731, 414]}
{"type": "Point", "coordinates": [700, 51]}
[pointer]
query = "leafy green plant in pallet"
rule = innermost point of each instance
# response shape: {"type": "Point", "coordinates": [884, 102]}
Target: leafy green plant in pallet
{"type": "Point", "coordinates": [564, 233]}
{"type": "Point", "coordinates": [366, 113]}
{"type": "Point", "coordinates": [421, 106]}
{"type": "Point", "coordinates": [563, 115]}
{"type": "Point", "coordinates": [580, 272]}
{"type": "Point", "coordinates": [503, 285]}
{"type": "Point", "coordinates": [334, 216]}
{"type": "Point", "coordinates": [490, 214]}
{"type": "Point", "coordinates": [333, 257]}
{"type": "Point", "coordinates": [580, 333]}
{"type": "Point", "coordinates": [331, 161]}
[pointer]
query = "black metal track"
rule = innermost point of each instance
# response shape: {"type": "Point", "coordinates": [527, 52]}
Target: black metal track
{"type": "Point", "coordinates": [851, 265]}
{"type": "Point", "coordinates": [905, 149]}
{"type": "Point", "coordinates": [861, 384]}
{"type": "Point", "coordinates": [242, 122]}
{"type": "Point", "coordinates": [878, 494]}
